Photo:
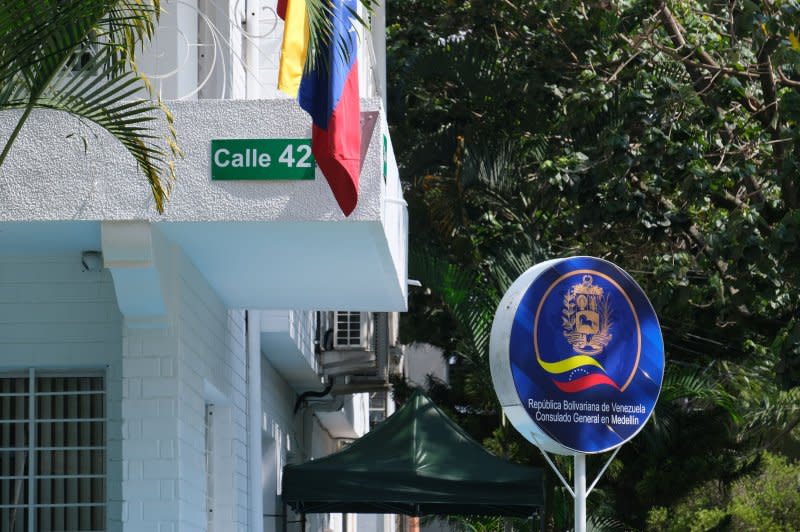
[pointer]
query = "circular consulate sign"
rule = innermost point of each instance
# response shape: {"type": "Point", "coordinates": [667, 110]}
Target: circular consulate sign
{"type": "Point", "coordinates": [577, 356]}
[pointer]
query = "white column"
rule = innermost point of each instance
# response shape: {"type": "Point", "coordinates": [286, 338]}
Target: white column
{"type": "Point", "coordinates": [378, 30]}
{"type": "Point", "coordinates": [254, 415]}
{"type": "Point", "coordinates": [252, 52]}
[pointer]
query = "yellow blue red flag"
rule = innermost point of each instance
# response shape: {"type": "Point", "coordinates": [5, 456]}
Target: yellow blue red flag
{"type": "Point", "coordinates": [329, 93]}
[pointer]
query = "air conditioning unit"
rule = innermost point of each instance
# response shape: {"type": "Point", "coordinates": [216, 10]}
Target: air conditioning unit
{"type": "Point", "coordinates": [352, 331]}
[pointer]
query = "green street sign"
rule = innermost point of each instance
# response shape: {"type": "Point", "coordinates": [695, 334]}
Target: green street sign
{"type": "Point", "coordinates": [262, 159]}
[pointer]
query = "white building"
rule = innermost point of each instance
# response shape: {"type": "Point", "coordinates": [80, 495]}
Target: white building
{"type": "Point", "coordinates": [423, 362]}
{"type": "Point", "coordinates": [151, 365]}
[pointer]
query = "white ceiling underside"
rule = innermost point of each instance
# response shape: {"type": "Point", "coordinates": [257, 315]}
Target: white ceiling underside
{"type": "Point", "coordinates": [258, 265]}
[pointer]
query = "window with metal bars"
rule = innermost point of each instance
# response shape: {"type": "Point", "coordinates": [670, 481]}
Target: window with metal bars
{"type": "Point", "coordinates": [52, 452]}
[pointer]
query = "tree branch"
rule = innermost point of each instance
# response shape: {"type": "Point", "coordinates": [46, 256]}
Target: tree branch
{"type": "Point", "coordinates": [767, 80]}
{"type": "Point", "coordinates": [675, 32]}
{"type": "Point", "coordinates": [786, 82]}
{"type": "Point", "coordinates": [769, 89]}
{"type": "Point", "coordinates": [699, 62]}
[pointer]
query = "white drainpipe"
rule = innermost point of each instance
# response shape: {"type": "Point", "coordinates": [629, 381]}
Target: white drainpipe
{"type": "Point", "coordinates": [253, 321]}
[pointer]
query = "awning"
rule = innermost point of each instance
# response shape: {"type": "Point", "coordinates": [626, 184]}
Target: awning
{"type": "Point", "coordinates": [417, 462]}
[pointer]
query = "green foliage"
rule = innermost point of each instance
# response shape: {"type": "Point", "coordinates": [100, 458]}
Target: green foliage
{"type": "Point", "coordinates": [702, 510]}
{"type": "Point", "coordinates": [661, 136]}
{"type": "Point", "coordinates": [78, 57]}
{"type": "Point", "coordinates": [769, 499]}
{"type": "Point", "coordinates": [320, 24]}
{"type": "Point", "coordinates": [766, 500]}
{"type": "Point", "coordinates": [487, 524]}
{"type": "Point", "coordinates": [703, 520]}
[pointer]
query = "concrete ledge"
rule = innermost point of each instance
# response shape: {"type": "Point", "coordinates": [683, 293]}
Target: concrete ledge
{"type": "Point", "coordinates": [51, 174]}
{"type": "Point", "coordinates": [263, 244]}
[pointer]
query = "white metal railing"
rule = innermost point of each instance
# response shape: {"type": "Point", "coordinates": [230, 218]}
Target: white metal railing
{"type": "Point", "coordinates": [395, 211]}
{"type": "Point", "coordinates": [230, 49]}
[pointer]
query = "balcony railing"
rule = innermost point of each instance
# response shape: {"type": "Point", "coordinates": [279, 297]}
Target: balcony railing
{"type": "Point", "coordinates": [230, 49]}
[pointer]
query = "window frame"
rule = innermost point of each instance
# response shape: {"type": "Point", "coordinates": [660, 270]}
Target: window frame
{"type": "Point", "coordinates": [34, 419]}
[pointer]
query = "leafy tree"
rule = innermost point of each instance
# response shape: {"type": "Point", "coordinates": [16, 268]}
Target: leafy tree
{"type": "Point", "coordinates": [765, 500]}
{"type": "Point", "coordinates": [659, 135]}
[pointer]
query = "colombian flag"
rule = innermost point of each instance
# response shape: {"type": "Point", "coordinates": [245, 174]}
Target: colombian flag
{"type": "Point", "coordinates": [328, 92]}
{"type": "Point", "coordinates": [294, 47]}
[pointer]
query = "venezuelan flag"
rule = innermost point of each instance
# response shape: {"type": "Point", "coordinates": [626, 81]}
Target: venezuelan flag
{"type": "Point", "coordinates": [578, 384]}
{"type": "Point", "coordinates": [329, 93]}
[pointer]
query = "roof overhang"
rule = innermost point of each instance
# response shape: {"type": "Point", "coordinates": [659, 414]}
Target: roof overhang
{"type": "Point", "coordinates": [265, 244]}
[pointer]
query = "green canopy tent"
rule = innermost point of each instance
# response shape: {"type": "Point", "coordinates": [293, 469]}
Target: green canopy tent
{"type": "Point", "coordinates": [417, 462]}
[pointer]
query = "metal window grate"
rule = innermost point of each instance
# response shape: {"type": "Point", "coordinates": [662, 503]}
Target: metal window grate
{"type": "Point", "coordinates": [52, 452]}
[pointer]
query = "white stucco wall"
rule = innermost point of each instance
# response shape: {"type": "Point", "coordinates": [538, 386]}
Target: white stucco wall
{"type": "Point", "coordinates": [102, 181]}
{"type": "Point", "coordinates": [278, 441]}
{"type": "Point", "coordinates": [54, 315]}
{"type": "Point", "coordinates": [421, 360]}
{"type": "Point", "coordinates": [212, 352]}
{"type": "Point", "coordinates": [169, 375]}
{"type": "Point", "coordinates": [225, 227]}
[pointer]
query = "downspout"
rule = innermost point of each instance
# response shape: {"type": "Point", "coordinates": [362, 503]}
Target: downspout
{"type": "Point", "coordinates": [382, 344]}
{"type": "Point", "coordinates": [252, 323]}
{"type": "Point", "coordinates": [313, 393]}
{"type": "Point", "coordinates": [334, 404]}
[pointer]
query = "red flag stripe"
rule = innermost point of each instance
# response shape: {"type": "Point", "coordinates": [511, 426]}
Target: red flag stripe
{"type": "Point", "coordinates": [338, 150]}
{"type": "Point", "coordinates": [584, 383]}
{"type": "Point", "coordinates": [281, 9]}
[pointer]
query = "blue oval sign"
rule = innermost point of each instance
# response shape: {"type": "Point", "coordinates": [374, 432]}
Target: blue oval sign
{"type": "Point", "coordinates": [585, 355]}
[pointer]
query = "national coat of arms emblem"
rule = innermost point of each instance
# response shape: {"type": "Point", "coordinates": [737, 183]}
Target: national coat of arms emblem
{"type": "Point", "coordinates": [576, 345]}
{"type": "Point", "coordinates": [586, 317]}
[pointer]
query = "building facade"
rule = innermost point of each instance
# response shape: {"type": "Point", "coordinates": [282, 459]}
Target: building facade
{"type": "Point", "coordinates": [157, 371]}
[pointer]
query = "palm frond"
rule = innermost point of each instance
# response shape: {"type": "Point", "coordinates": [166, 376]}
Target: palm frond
{"type": "Point", "coordinates": [452, 283]}
{"type": "Point", "coordinates": [468, 297]}
{"type": "Point", "coordinates": [776, 413]}
{"type": "Point", "coordinates": [695, 390]}
{"type": "Point", "coordinates": [320, 25]}
{"type": "Point", "coordinates": [604, 524]}
{"type": "Point", "coordinates": [43, 50]}
{"type": "Point", "coordinates": [109, 106]}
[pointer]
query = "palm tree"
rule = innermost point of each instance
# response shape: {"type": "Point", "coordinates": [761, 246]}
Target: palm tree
{"type": "Point", "coordinates": [320, 25]}
{"type": "Point", "coordinates": [78, 56]}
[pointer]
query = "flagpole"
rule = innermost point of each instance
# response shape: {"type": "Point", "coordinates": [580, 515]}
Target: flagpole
{"type": "Point", "coordinates": [579, 475]}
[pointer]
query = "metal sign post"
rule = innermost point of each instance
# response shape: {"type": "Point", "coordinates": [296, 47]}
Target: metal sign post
{"type": "Point", "coordinates": [578, 490]}
{"type": "Point", "coordinates": [579, 476]}
{"type": "Point", "coordinates": [577, 361]}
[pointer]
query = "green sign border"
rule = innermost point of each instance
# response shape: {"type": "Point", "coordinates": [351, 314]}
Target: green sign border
{"type": "Point", "coordinates": [262, 160]}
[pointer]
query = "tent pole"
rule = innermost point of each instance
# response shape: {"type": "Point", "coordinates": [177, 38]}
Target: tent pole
{"type": "Point", "coordinates": [580, 492]}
